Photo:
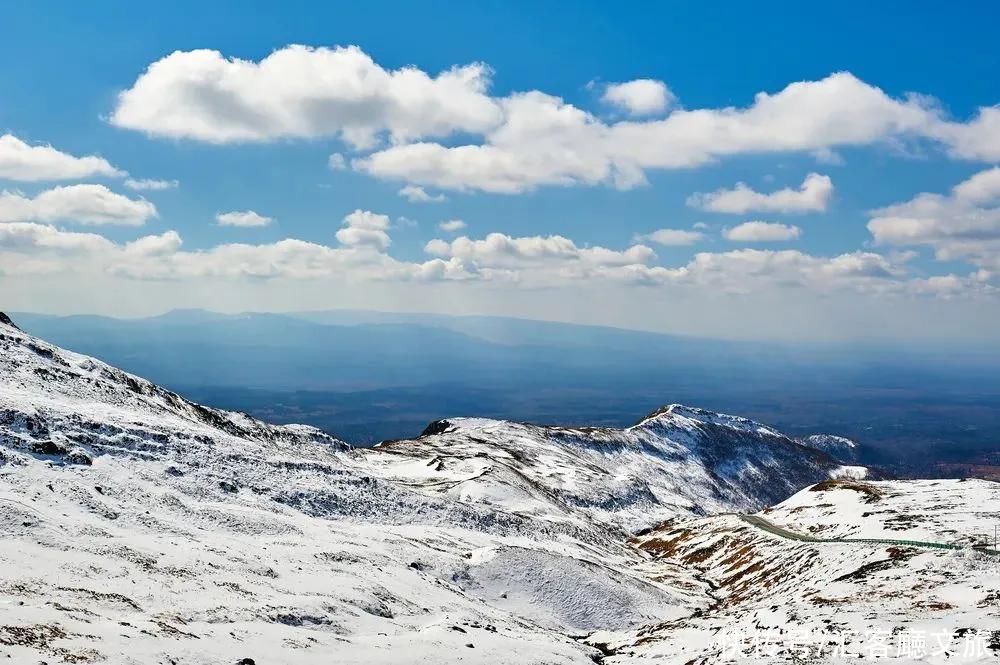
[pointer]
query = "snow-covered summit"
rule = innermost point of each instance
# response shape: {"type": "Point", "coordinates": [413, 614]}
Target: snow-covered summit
{"type": "Point", "coordinates": [837, 447]}
{"type": "Point", "coordinates": [679, 415]}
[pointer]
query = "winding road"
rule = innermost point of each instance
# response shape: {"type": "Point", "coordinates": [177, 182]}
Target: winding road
{"type": "Point", "coordinates": [770, 527]}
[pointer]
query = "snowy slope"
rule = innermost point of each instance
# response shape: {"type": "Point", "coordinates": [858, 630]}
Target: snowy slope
{"type": "Point", "coordinates": [777, 598]}
{"type": "Point", "coordinates": [142, 528]}
{"type": "Point", "coordinates": [678, 460]}
{"type": "Point", "coordinates": [962, 512]}
{"type": "Point", "coordinates": [838, 447]}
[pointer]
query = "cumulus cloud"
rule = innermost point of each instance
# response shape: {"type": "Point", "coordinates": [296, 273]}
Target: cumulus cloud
{"type": "Point", "coordinates": [639, 97]}
{"type": "Point", "coordinates": [498, 250]}
{"type": "Point", "coordinates": [962, 225]}
{"type": "Point", "coordinates": [28, 248]}
{"type": "Point", "coordinates": [417, 194]}
{"type": "Point", "coordinates": [29, 163]}
{"type": "Point", "coordinates": [245, 218]}
{"type": "Point", "coordinates": [302, 92]}
{"type": "Point", "coordinates": [523, 140]}
{"type": "Point", "coordinates": [672, 237]}
{"type": "Point", "coordinates": [828, 156]}
{"type": "Point", "coordinates": [27, 236]}
{"type": "Point", "coordinates": [762, 232]}
{"type": "Point", "coordinates": [747, 269]}
{"type": "Point", "coordinates": [164, 244]}
{"type": "Point", "coordinates": [812, 196]}
{"type": "Point", "coordinates": [150, 184]}
{"type": "Point", "coordinates": [81, 204]}
{"type": "Point", "coordinates": [542, 140]}
{"type": "Point", "coordinates": [978, 139]}
{"type": "Point", "coordinates": [452, 225]}
{"type": "Point", "coordinates": [337, 162]}
{"type": "Point", "coordinates": [363, 228]}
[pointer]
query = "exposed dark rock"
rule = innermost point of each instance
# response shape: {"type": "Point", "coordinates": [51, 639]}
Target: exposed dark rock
{"type": "Point", "coordinates": [5, 320]}
{"type": "Point", "coordinates": [436, 427]}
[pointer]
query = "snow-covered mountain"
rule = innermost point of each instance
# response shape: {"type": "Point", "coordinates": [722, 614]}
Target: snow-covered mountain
{"type": "Point", "coordinates": [143, 528]}
{"type": "Point", "coordinates": [838, 447]}
{"type": "Point", "coordinates": [676, 461]}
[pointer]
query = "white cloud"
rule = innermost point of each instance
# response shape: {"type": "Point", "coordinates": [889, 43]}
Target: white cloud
{"type": "Point", "coordinates": [337, 162]}
{"type": "Point", "coordinates": [963, 225]}
{"type": "Point", "coordinates": [673, 237]}
{"type": "Point", "coordinates": [828, 156]}
{"type": "Point", "coordinates": [639, 97]}
{"type": "Point", "coordinates": [28, 236]}
{"type": "Point", "coordinates": [150, 184]}
{"type": "Point", "coordinates": [978, 139]}
{"type": "Point", "coordinates": [542, 261]}
{"type": "Point", "coordinates": [40, 249]}
{"type": "Point", "coordinates": [812, 196]}
{"type": "Point", "coordinates": [749, 269]}
{"type": "Point", "coordinates": [29, 163]}
{"type": "Point", "coordinates": [762, 232]}
{"type": "Point", "coordinates": [980, 189]}
{"type": "Point", "coordinates": [498, 250]}
{"type": "Point", "coordinates": [544, 141]}
{"type": "Point", "coordinates": [365, 229]}
{"type": "Point", "coordinates": [245, 218]}
{"type": "Point", "coordinates": [298, 91]}
{"type": "Point", "coordinates": [82, 204]}
{"type": "Point", "coordinates": [417, 194]}
{"type": "Point", "coordinates": [452, 225]}
{"type": "Point", "coordinates": [521, 141]}
{"type": "Point", "coordinates": [149, 246]}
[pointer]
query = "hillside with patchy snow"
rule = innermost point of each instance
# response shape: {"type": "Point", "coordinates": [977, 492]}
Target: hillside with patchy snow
{"type": "Point", "coordinates": [140, 527]}
{"type": "Point", "coordinates": [778, 600]}
{"type": "Point", "coordinates": [678, 460]}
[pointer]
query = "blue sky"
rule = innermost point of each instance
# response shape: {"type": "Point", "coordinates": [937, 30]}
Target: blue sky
{"type": "Point", "coordinates": [917, 273]}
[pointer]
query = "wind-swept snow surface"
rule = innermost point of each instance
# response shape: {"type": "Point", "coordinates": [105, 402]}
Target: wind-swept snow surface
{"type": "Point", "coordinates": [142, 528]}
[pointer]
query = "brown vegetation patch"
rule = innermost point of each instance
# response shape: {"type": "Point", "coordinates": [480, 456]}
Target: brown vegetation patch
{"type": "Point", "coordinates": [903, 522]}
{"type": "Point", "coordinates": [107, 597]}
{"type": "Point", "coordinates": [868, 568]}
{"type": "Point", "coordinates": [872, 493]}
{"type": "Point", "coordinates": [702, 554]}
{"type": "Point", "coordinates": [667, 545]}
{"type": "Point", "coordinates": [755, 567]}
{"type": "Point", "coordinates": [172, 630]}
{"type": "Point", "coordinates": [39, 636]}
{"type": "Point", "coordinates": [740, 557]}
{"type": "Point", "coordinates": [823, 601]}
